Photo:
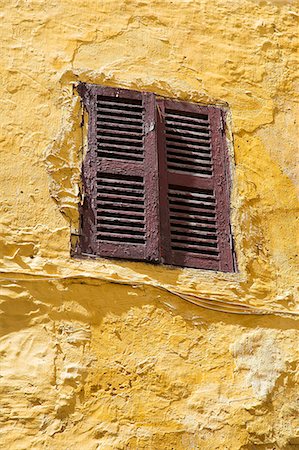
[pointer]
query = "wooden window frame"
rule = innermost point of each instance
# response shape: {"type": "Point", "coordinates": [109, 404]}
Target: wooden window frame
{"type": "Point", "coordinates": [157, 180]}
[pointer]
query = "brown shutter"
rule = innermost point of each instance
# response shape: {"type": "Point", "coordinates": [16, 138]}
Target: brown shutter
{"type": "Point", "coordinates": [194, 190]}
{"type": "Point", "coordinates": [120, 175]}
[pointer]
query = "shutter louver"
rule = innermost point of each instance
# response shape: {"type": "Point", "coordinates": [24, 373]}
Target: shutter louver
{"type": "Point", "coordinates": [121, 146]}
{"type": "Point", "coordinates": [188, 143]}
{"type": "Point", "coordinates": [120, 209]}
{"type": "Point", "coordinates": [193, 225]}
{"type": "Point", "coordinates": [197, 201]}
{"type": "Point", "coordinates": [120, 128]}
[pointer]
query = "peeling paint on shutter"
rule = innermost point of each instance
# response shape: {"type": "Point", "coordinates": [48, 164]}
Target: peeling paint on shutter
{"type": "Point", "coordinates": [121, 174]}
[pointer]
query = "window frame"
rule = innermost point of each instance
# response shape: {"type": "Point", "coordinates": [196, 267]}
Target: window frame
{"type": "Point", "coordinates": [158, 241]}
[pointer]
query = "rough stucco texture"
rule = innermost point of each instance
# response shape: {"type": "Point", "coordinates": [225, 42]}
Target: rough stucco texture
{"type": "Point", "coordinates": [99, 354]}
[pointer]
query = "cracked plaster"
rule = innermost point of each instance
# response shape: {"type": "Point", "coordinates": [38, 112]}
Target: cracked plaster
{"type": "Point", "coordinates": [101, 353]}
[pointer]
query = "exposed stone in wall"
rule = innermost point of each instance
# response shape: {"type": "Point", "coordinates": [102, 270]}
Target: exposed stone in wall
{"type": "Point", "coordinates": [102, 354]}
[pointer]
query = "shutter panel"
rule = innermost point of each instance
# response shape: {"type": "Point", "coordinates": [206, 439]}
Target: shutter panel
{"type": "Point", "coordinates": [120, 175]}
{"type": "Point", "coordinates": [194, 183]}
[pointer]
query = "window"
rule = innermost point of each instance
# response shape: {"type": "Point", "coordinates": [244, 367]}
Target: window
{"type": "Point", "coordinates": [155, 180]}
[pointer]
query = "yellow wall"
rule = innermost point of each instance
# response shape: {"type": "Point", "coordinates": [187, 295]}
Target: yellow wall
{"type": "Point", "coordinates": [99, 354]}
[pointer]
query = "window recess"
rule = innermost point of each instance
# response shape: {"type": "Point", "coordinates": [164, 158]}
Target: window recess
{"type": "Point", "coordinates": [155, 180]}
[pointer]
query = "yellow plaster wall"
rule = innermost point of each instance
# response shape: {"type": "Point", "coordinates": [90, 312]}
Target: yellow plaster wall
{"type": "Point", "coordinates": [99, 354]}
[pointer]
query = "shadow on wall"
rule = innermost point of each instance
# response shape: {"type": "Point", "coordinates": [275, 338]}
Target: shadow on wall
{"type": "Point", "coordinates": [29, 303]}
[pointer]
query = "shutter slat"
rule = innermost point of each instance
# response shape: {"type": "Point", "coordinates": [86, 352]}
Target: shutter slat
{"type": "Point", "coordinates": [203, 196]}
{"type": "Point", "coordinates": [186, 215]}
{"type": "Point", "coordinates": [105, 132]}
{"type": "Point", "coordinates": [174, 159]}
{"type": "Point", "coordinates": [191, 210]}
{"type": "Point", "coordinates": [118, 126]}
{"type": "Point", "coordinates": [121, 221]}
{"type": "Point", "coordinates": [102, 117]}
{"type": "Point", "coordinates": [195, 169]}
{"type": "Point", "coordinates": [193, 239]}
{"type": "Point", "coordinates": [186, 225]}
{"type": "Point", "coordinates": [174, 118]}
{"type": "Point", "coordinates": [189, 247]}
{"type": "Point", "coordinates": [185, 146]}
{"type": "Point", "coordinates": [121, 120]}
{"type": "Point", "coordinates": [104, 226]}
{"type": "Point", "coordinates": [119, 105]}
{"type": "Point", "coordinates": [197, 208]}
{"type": "Point", "coordinates": [125, 235]}
{"type": "Point", "coordinates": [119, 112]}
{"type": "Point", "coordinates": [118, 147]}
{"type": "Point", "coordinates": [121, 214]}
{"type": "Point", "coordinates": [177, 138]}
{"type": "Point", "coordinates": [119, 199]}
{"type": "Point", "coordinates": [113, 208]}
{"type": "Point", "coordinates": [113, 186]}
{"type": "Point", "coordinates": [123, 179]}
{"type": "Point", "coordinates": [189, 154]}
{"type": "Point", "coordinates": [111, 191]}
{"type": "Point", "coordinates": [113, 138]}
{"type": "Point", "coordinates": [194, 231]}
{"type": "Point", "coordinates": [187, 126]}
{"type": "Point", "coordinates": [121, 239]}
{"type": "Point", "coordinates": [119, 155]}
{"type": "Point", "coordinates": [195, 248]}
{"type": "Point", "coordinates": [203, 133]}
{"type": "Point", "coordinates": [118, 202]}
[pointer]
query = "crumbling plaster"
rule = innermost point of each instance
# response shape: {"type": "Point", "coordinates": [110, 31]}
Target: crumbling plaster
{"type": "Point", "coordinates": [117, 355]}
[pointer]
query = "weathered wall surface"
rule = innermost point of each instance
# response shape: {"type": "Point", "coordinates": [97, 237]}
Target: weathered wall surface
{"type": "Point", "coordinates": [99, 354]}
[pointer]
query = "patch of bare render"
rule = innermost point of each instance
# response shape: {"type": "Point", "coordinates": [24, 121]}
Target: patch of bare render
{"type": "Point", "coordinates": [64, 157]}
{"type": "Point", "coordinates": [259, 356]}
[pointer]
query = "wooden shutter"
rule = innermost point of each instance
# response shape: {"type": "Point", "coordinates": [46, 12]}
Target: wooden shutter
{"type": "Point", "coordinates": [194, 189]}
{"type": "Point", "coordinates": [120, 175]}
